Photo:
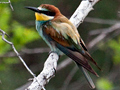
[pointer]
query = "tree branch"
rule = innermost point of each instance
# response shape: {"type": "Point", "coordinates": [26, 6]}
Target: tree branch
{"type": "Point", "coordinates": [77, 18]}
{"type": "Point", "coordinates": [46, 74]}
{"type": "Point", "coordinates": [82, 11]}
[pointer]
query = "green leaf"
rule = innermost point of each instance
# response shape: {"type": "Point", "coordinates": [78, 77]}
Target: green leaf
{"type": "Point", "coordinates": [11, 61]}
{"type": "Point", "coordinates": [5, 15]}
{"type": "Point", "coordinates": [104, 84]}
{"type": "Point", "coordinates": [115, 46]}
{"type": "Point", "coordinates": [22, 35]}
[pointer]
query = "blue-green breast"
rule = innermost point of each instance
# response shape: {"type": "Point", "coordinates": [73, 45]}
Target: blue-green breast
{"type": "Point", "coordinates": [40, 31]}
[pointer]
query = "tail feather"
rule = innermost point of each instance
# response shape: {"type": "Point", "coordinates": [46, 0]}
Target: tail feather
{"type": "Point", "coordinates": [86, 54]}
{"type": "Point", "coordinates": [89, 79]}
{"type": "Point", "coordinates": [87, 76]}
{"type": "Point", "coordinates": [91, 59]}
{"type": "Point", "coordinates": [77, 57]}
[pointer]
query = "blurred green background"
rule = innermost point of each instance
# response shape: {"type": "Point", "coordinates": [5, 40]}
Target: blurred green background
{"type": "Point", "coordinates": [19, 24]}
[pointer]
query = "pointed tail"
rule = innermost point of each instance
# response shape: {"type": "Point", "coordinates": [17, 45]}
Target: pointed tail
{"type": "Point", "coordinates": [77, 57]}
{"type": "Point", "coordinates": [87, 76]}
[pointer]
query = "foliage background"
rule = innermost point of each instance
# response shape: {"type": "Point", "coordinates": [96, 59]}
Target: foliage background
{"type": "Point", "coordinates": [19, 24]}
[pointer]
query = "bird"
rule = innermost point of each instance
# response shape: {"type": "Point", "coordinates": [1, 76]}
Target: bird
{"type": "Point", "coordinates": [63, 37]}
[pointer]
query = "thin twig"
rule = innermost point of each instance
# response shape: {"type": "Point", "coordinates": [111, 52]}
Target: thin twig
{"type": "Point", "coordinates": [18, 55]}
{"type": "Point", "coordinates": [11, 5]}
{"type": "Point", "coordinates": [9, 2]}
{"type": "Point", "coordinates": [103, 34]}
{"type": "Point", "coordinates": [26, 51]}
{"type": "Point", "coordinates": [4, 2]}
{"type": "Point", "coordinates": [101, 21]}
{"type": "Point", "coordinates": [105, 30]}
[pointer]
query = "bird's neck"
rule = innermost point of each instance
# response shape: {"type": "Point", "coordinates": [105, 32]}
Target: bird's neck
{"type": "Point", "coordinates": [39, 24]}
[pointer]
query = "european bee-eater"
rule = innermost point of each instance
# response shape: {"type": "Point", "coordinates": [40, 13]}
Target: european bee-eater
{"type": "Point", "coordinates": [62, 36]}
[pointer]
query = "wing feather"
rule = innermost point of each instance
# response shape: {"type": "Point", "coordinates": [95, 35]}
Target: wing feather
{"type": "Point", "coordinates": [56, 36]}
{"type": "Point", "coordinates": [67, 31]}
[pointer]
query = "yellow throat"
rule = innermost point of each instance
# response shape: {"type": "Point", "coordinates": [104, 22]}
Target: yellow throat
{"type": "Point", "coordinates": [42, 17]}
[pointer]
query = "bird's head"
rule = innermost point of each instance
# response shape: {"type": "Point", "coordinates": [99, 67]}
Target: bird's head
{"type": "Point", "coordinates": [45, 12]}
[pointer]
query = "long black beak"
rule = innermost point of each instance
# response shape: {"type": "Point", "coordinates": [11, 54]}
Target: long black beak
{"type": "Point", "coordinates": [33, 9]}
{"type": "Point", "coordinates": [40, 11]}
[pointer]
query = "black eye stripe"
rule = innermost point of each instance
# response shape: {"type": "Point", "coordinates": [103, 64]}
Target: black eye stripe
{"type": "Point", "coordinates": [47, 13]}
